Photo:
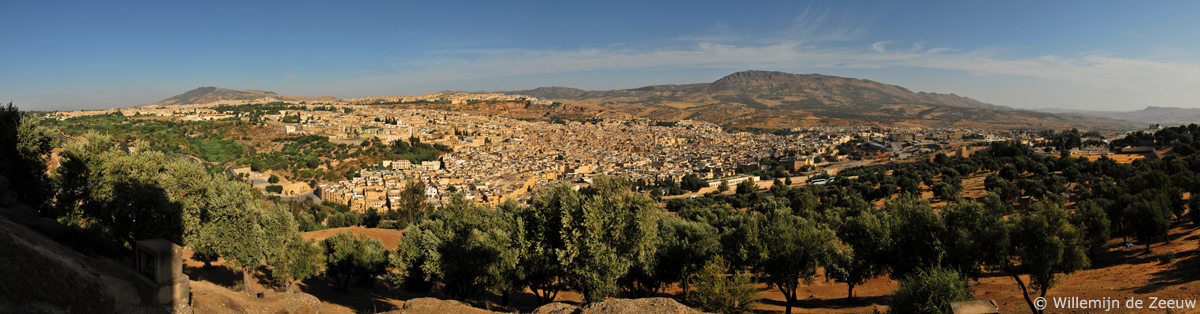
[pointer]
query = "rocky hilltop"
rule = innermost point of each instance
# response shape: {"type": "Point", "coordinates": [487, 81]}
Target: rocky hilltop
{"type": "Point", "coordinates": [210, 94]}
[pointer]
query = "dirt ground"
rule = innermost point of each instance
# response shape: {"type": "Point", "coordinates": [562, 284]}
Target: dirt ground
{"type": "Point", "coordinates": [389, 237]}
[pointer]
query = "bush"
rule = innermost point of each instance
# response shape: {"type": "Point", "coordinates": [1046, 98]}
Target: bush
{"type": "Point", "coordinates": [718, 293]}
{"type": "Point", "coordinates": [344, 220]}
{"type": "Point", "coordinates": [930, 291]}
{"type": "Point", "coordinates": [274, 189]}
{"type": "Point", "coordinates": [1167, 257]}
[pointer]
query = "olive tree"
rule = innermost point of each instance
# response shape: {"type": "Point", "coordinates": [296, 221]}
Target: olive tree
{"type": "Point", "coordinates": [866, 234]}
{"type": "Point", "coordinates": [586, 241]}
{"type": "Point", "coordinates": [685, 247]}
{"type": "Point", "coordinates": [466, 246]}
{"type": "Point", "coordinates": [349, 255]}
{"type": "Point", "coordinates": [605, 235]}
{"type": "Point", "coordinates": [797, 247]}
{"type": "Point", "coordinates": [24, 149]}
{"type": "Point", "coordinates": [137, 193]}
{"type": "Point", "coordinates": [242, 231]}
{"type": "Point", "coordinates": [1043, 246]}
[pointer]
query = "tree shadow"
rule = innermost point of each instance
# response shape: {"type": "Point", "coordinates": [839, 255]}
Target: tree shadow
{"type": "Point", "coordinates": [218, 275]}
{"type": "Point", "coordinates": [830, 304]}
{"type": "Point", "coordinates": [1182, 270]}
{"type": "Point", "coordinates": [370, 299]}
{"type": "Point", "coordinates": [1116, 254]}
{"type": "Point", "coordinates": [382, 296]}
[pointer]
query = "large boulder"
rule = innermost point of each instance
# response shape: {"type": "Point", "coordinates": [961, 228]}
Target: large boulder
{"type": "Point", "coordinates": [557, 308]}
{"type": "Point", "coordinates": [431, 302]}
{"type": "Point", "coordinates": [211, 298]}
{"type": "Point", "coordinates": [437, 306]}
{"type": "Point", "coordinates": [639, 306]}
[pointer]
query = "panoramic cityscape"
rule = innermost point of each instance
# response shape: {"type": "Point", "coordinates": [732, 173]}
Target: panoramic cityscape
{"type": "Point", "coordinates": [825, 157]}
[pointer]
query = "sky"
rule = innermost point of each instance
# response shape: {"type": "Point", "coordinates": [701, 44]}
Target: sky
{"type": "Point", "coordinates": [1088, 55]}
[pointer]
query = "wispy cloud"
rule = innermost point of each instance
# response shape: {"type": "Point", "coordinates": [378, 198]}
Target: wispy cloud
{"type": "Point", "coordinates": [879, 45]}
{"type": "Point", "coordinates": [1099, 70]}
{"type": "Point", "coordinates": [817, 23]}
{"type": "Point", "coordinates": [827, 24]}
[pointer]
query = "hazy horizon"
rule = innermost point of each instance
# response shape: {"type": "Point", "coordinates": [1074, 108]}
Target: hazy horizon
{"type": "Point", "coordinates": [1033, 55]}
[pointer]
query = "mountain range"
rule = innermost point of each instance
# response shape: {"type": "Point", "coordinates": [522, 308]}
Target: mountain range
{"type": "Point", "coordinates": [747, 99]}
{"type": "Point", "coordinates": [768, 99]}
{"type": "Point", "coordinates": [1166, 116]}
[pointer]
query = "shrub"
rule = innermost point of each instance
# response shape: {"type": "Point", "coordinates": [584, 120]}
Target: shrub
{"type": "Point", "coordinates": [1166, 257]}
{"type": "Point", "coordinates": [274, 189]}
{"type": "Point", "coordinates": [930, 291]}
{"type": "Point", "coordinates": [718, 293]}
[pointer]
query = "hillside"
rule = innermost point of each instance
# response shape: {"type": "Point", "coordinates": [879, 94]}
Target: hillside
{"type": "Point", "coordinates": [1150, 115]}
{"type": "Point", "coordinates": [42, 276]}
{"type": "Point", "coordinates": [766, 99]}
{"type": "Point", "coordinates": [209, 94]}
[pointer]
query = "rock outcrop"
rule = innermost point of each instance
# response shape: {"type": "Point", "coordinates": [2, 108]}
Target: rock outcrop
{"type": "Point", "coordinates": [620, 306]}
{"type": "Point", "coordinates": [211, 298]}
{"type": "Point", "coordinates": [639, 306]}
{"type": "Point", "coordinates": [433, 305]}
{"type": "Point", "coordinates": [557, 308]}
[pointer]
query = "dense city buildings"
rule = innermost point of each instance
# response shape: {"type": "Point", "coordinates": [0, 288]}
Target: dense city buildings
{"type": "Point", "coordinates": [495, 158]}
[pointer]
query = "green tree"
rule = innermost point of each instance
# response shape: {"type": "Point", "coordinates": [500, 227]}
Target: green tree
{"type": "Point", "coordinates": [1092, 222]}
{"type": "Point", "coordinates": [242, 231]}
{"type": "Point", "coordinates": [605, 235]}
{"type": "Point", "coordinates": [974, 236]}
{"type": "Point", "coordinates": [867, 236]}
{"type": "Point", "coordinates": [797, 247]}
{"type": "Point", "coordinates": [412, 202]}
{"type": "Point", "coordinates": [916, 233]}
{"type": "Point", "coordinates": [542, 228]}
{"type": "Point", "coordinates": [1044, 246]}
{"type": "Point", "coordinates": [588, 242]}
{"type": "Point", "coordinates": [464, 245]}
{"type": "Point", "coordinates": [930, 291]}
{"type": "Point", "coordinates": [724, 187]}
{"type": "Point", "coordinates": [1194, 209]}
{"type": "Point", "coordinates": [24, 148]}
{"type": "Point", "coordinates": [1149, 215]}
{"type": "Point", "coordinates": [349, 255]}
{"type": "Point", "coordinates": [741, 239]}
{"type": "Point", "coordinates": [692, 182]}
{"type": "Point", "coordinates": [135, 194]}
{"type": "Point", "coordinates": [683, 248]}
{"type": "Point", "coordinates": [273, 179]}
{"type": "Point", "coordinates": [945, 191]}
{"type": "Point", "coordinates": [717, 293]}
{"type": "Point", "coordinates": [298, 259]}
{"type": "Point", "coordinates": [746, 187]}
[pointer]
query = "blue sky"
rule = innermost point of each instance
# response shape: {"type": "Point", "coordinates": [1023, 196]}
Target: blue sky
{"type": "Point", "coordinates": [1100, 55]}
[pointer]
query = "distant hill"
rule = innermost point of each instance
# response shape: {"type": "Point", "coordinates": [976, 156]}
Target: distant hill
{"type": "Point", "coordinates": [780, 86]}
{"type": "Point", "coordinates": [209, 94]}
{"type": "Point", "coordinates": [768, 99]}
{"type": "Point", "coordinates": [1166, 116]}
